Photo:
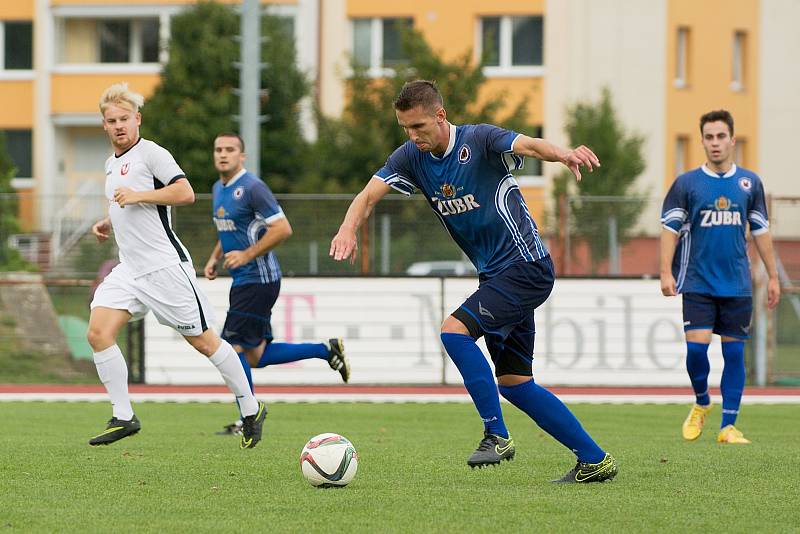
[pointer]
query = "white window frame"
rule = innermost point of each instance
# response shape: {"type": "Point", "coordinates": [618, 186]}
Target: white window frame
{"type": "Point", "coordinates": [164, 15]}
{"type": "Point", "coordinates": [11, 74]}
{"type": "Point", "coordinates": [375, 69]}
{"type": "Point", "coordinates": [738, 60]}
{"type": "Point", "coordinates": [506, 69]}
{"type": "Point", "coordinates": [682, 43]}
{"type": "Point", "coordinates": [21, 180]}
{"type": "Point", "coordinates": [739, 151]}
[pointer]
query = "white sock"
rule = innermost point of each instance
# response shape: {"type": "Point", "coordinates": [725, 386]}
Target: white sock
{"type": "Point", "coordinates": [113, 373]}
{"type": "Point", "coordinates": [227, 361]}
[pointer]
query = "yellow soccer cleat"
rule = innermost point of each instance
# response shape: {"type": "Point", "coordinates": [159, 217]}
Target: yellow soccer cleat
{"type": "Point", "coordinates": [729, 434]}
{"type": "Point", "coordinates": [693, 425]}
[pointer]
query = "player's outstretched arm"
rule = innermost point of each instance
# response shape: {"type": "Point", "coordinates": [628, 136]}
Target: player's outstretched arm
{"type": "Point", "coordinates": [178, 193]}
{"type": "Point", "coordinates": [345, 243]}
{"type": "Point", "coordinates": [669, 240]}
{"type": "Point", "coordinates": [542, 149]}
{"type": "Point", "coordinates": [763, 243]}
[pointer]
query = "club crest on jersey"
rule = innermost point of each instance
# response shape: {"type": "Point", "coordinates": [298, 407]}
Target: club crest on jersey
{"type": "Point", "coordinates": [745, 184]}
{"type": "Point", "coordinates": [464, 154]}
{"type": "Point", "coordinates": [722, 203]}
{"type": "Point", "coordinates": [125, 168]}
{"type": "Point", "coordinates": [238, 192]}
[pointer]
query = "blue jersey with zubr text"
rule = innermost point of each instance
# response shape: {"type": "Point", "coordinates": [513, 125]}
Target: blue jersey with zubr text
{"type": "Point", "coordinates": [242, 210]}
{"type": "Point", "coordinates": [472, 191]}
{"type": "Point", "coordinates": [710, 212]}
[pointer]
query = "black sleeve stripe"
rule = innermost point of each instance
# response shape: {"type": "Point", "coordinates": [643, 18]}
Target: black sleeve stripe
{"type": "Point", "coordinates": [176, 178]}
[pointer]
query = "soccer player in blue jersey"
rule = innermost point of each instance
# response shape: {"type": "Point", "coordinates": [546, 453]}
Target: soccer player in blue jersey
{"type": "Point", "coordinates": [465, 174]}
{"type": "Point", "coordinates": [250, 225]}
{"type": "Point", "coordinates": [706, 213]}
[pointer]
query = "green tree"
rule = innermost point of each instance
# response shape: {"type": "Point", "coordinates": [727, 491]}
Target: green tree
{"type": "Point", "coordinates": [195, 99]}
{"type": "Point", "coordinates": [351, 148]}
{"type": "Point", "coordinates": [607, 193]}
{"type": "Point", "coordinates": [10, 260]}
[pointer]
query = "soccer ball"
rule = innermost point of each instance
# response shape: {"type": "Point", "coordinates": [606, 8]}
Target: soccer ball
{"type": "Point", "coordinates": [329, 460]}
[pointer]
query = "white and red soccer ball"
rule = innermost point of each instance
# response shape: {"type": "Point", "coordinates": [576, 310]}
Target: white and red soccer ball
{"type": "Point", "coordinates": [329, 460]}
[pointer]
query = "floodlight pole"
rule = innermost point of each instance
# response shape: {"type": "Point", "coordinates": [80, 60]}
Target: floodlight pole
{"type": "Point", "coordinates": [250, 83]}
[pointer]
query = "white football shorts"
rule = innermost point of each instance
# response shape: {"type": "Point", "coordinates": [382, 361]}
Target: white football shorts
{"type": "Point", "coordinates": [170, 293]}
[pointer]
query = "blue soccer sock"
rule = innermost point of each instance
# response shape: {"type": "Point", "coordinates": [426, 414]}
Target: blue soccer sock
{"type": "Point", "coordinates": [733, 377]}
{"type": "Point", "coordinates": [478, 379]}
{"type": "Point", "coordinates": [247, 372]}
{"type": "Point", "coordinates": [555, 418]}
{"type": "Point", "coordinates": [276, 353]}
{"type": "Point", "coordinates": [698, 368]}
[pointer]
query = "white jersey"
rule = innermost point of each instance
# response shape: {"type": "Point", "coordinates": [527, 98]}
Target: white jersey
{"type": "Point", "coordinates": [144, 231]}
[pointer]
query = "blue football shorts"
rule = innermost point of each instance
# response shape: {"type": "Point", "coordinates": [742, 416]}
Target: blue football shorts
{"type": "Point", "coordinates": [726, 316]}
{"type": "Point", "coordinates": [501, 310]}
{"type": "Point", "coordinates": [250, 312]}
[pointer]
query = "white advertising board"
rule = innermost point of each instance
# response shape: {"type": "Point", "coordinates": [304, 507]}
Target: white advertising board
{"type": "Point", "coordinates": [589, 332]}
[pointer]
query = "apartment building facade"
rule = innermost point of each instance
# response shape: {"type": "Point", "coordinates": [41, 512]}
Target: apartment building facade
{"type": "Point", "coordinates": [665, 61]}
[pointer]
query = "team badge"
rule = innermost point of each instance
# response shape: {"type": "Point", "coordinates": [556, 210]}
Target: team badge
{"type": "Point", "coordinates": [745, 184]}
{"type": "Point", "coordinates": [238, 192]}
{"type": "Point", "coordinates": [124, 169]}
{"type": "Point", "coordinates": [220, 212]}
{"type": "Point", "coordinates": [464, 154]}
{"type": "Point", "coordinates": [448, 190]}
{"type": "Point", "coordinates": [722, 203]}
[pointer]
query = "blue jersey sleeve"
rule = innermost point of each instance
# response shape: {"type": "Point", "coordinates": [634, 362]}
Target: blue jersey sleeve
{"type": "Point", "coordinates": [501, 141]}
{"type": "Point", "coordinates": [263, 202]}
{"type": "Point", "coordinates": [757, 209]}
{"type": "Point", "coordinates": [396, 172]}
{"type": "Point", "coordinates": [674, 211]}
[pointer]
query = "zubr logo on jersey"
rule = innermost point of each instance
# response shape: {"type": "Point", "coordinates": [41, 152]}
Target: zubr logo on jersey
{"type": "Point", "coordinates": [223, 224]}
{"type": "Point", "coordinates": [721, 215]}
{"type": "Point", "coordinates": [452, 205]}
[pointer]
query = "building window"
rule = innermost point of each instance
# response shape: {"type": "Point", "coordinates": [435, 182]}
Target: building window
{"type": "Point", "coordinates": [378, 44]}
{"type": "Point", "coordinates": [512, 45]}
{"type": "Point", "coordinates": [19, 145]}
{"type": "Point", "coordinates": [682, 44]}
{"type": "Point", "coordinates": [740, 152]}
{"type": "Point", "coordinates": [738, 66]}
{"type": "Point", "coordinates": [681, 154]}
{"type": "Point", "coordinates": [110, 40]}
{"type": "Point", "coordinates": [16, 41]}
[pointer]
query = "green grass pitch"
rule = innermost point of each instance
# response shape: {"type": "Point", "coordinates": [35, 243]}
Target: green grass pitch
{"type": "Point", "coordinates": [178, 476]}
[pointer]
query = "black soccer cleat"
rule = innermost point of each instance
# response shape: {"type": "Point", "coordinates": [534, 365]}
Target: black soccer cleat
{"type": "Point", "coordinates": [337, 359]}
{"type": "Point", "coordinates": [116, 429]}
{"type": "Point", "coordinates": [252, 426]}
{"type": "Point", "coordinates": [583, 473]}
{"type": "Point", "coordinates": [492, 450]}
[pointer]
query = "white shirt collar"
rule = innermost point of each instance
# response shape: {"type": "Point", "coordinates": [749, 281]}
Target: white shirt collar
{"type": "Point", "coordinates": [235, 177]}
{"type": "Point", "coordinates": [711, 173]}
{"type": "Point", "coordinates": [450, 145]}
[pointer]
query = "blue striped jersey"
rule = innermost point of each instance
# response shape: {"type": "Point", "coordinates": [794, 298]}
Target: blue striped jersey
{"type": "Point", "coordinates": [474, 195]}
{"type": "Point", "coordinates": [242, 210]}
{"type": "Point", "coordinates": [710, 212]}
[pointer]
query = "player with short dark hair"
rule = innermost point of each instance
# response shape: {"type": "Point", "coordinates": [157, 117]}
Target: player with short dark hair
{"type": "Point", "coordinates": [706, 213]}
{"type": "Point", "coordinates": [465, 174]}
{"type": "Point", "coordinates": [250, 225]}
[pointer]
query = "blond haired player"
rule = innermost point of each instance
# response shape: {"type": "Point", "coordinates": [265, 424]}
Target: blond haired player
{"type": "Point", "coordinates": [155, 272]}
